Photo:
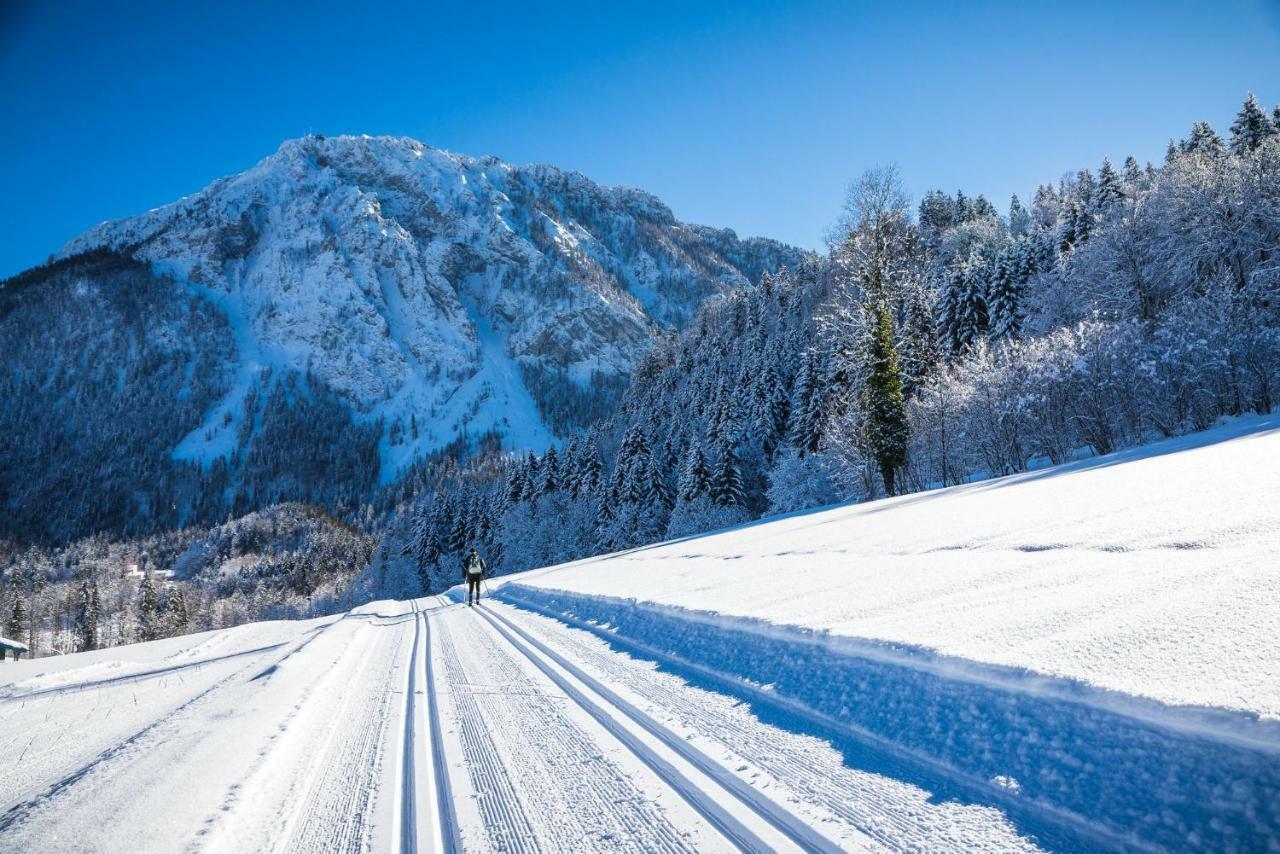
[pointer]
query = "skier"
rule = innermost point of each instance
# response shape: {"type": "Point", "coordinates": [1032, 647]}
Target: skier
{"type": "Point", "coordinates": [473, 570]}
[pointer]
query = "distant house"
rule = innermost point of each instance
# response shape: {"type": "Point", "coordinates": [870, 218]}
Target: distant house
{"type": "Point", "coordinates": [132, 571]}
{"type": "Point", "coordinates": [7, 646]}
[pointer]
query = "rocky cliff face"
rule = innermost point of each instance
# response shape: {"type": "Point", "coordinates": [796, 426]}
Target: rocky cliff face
{"type": "Point", "coordinates": [443, 295]}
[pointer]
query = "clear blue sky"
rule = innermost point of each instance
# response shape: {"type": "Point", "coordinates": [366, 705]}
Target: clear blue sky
{"type": "Point", "coordinates": [752, 115]}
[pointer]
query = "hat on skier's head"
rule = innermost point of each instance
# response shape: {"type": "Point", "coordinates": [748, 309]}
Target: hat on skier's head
{"type": "Point", "coordinates": [473, 549]}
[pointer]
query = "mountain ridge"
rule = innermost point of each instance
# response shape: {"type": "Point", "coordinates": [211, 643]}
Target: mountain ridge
{"type": "Point", "coordinates": [435, 266]}
{"type": "Point", "coordinates": [409, 300]}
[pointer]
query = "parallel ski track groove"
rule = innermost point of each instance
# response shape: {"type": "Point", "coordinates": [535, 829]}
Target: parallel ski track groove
{"type": "Point", "coordinates": [408, 803]}
{"type": "Point", "coordinates": [77, 687]}
{"type": "Point", "coordinates": [574, 794]}
{"type": "Point", "coordinates": [890, 822]}
{"type": "Point", "coordinates": [333, 816]}
{"type": "Point", "coordinates": [731, 828]}
{"type": "Point", "coordinates": [499, 805]}
{"type": "Point", "coordinates": [450, 839]}
{"type": "Point", "coordinates": [780, 818]}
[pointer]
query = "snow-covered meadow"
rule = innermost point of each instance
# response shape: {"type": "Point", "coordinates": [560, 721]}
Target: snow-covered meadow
{"type": "Point", "coordinates": [1093, 644]}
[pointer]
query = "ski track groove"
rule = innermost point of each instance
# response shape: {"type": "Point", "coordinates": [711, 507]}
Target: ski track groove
{"type": "Point", "coordinates": [845, 794]}
{"type": "Point", "coordinates": [408, 817]}
{"type": "Point", "coordinates": [336, 815]}
{"type": "Point", "coordinates": [336, 792]}
{"type": "Point", "coordinates": [782, 820]}
{"type": "Point", "coordinates": [127, 678]}
{"type": "Point", "coordinates": [558, 773]}
{"type": "Point", "coordinates": [446, 811]}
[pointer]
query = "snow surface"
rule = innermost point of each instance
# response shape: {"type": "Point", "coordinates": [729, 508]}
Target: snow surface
{"type": "Point", "coordinates": [1154, 572]}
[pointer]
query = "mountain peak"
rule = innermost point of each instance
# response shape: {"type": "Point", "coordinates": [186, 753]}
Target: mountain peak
{"type": "Point", "coordinates": [464, 294]}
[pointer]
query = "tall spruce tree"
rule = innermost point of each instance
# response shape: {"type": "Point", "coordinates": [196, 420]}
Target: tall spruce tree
{"type": "Point", "coordinates": [17, 624]}
{"type": "Point", "coordinates": [1203, 140]}
{"type": "Point", "coordinates": [550, 472]}
{"type": "Point", "coordinates": [974, 319]}
{"type": "Point", "coordinates": [1132, 172]}
{"type": "Point", "coordinates": [1005, 297]}
{"type": "Point", "coordinates": [148, 609]}
{"type": "Point", "coordinates": [87, 616]}
{"type": "Point", "coordinates": [1110, 188]}
{"type": "Point", "coordinates": [887, 427]}
{"type": "Point", "coordinates": [695, 477]}
{"type": "Point", "coordinates": [726, 476]}
{"type": "Point", "coordinates": [590, 470]}
{"type": "Point", "coordinates": [809, 421]}
{"type": "Point", "coordinates": [1019, 218]}
{"type": "Point", "coordinates": [179, 615]}
{"type": "Point", "coordinates": [775, 412]}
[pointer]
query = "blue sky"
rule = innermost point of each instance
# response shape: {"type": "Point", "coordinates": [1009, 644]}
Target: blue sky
{"type": "Point", "coordinates": [752, 115]}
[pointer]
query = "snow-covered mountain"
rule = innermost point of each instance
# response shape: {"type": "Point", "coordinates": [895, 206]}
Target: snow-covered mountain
{"type": "Point", "coordinates": [445, 295]}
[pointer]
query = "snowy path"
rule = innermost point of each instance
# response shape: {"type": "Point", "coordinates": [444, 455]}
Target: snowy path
{"type": "Point", "coordinates": [426, 726]}
{"type": "Point", "coordinates": [853, 807]}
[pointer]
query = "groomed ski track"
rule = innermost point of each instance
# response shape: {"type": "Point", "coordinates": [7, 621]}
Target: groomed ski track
{"type": "Point", "coordinates": [428, 726]}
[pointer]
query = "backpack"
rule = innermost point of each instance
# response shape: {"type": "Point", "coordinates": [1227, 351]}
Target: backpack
{"type": "Point", "coordinates": [474, 566]}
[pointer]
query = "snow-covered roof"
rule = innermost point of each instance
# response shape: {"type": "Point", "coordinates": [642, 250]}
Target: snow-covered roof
{"type": "Point", "coordinates": [13, 644]}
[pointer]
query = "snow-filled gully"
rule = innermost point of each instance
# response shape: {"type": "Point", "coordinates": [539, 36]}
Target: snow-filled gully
{"type": "Point", "coordinates": [1072, 767]}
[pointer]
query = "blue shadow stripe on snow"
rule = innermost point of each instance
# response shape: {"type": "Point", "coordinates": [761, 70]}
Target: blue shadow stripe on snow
{"type": "Point", "coordinates": [1075, 767]}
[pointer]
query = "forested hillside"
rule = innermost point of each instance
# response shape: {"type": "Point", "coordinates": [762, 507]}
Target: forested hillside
{"type": "Point", "coordinates": [932, 346]}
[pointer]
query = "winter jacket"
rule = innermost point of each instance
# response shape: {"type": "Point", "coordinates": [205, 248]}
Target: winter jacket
{"type": "Point", "coordinates": [473, 566]}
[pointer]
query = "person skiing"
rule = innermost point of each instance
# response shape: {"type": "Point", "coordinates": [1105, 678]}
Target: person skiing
{"type": "Point", "coordinates": [473, 570]}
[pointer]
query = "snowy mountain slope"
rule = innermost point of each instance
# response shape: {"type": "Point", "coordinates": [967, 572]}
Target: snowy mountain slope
{"type": "Point", "coordinates": [414, 282]}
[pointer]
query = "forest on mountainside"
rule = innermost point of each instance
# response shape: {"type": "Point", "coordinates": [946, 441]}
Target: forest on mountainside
{"type": "Point", "coordinates": [930, 347]}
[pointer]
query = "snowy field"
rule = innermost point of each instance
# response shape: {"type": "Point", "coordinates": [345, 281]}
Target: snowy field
{"type": "Point", "coordinates": [1092, 644]}
{"type": "Point", "coordinates": [1155, 572]}
{"type": "Point", "coordinates": [1075, 659]}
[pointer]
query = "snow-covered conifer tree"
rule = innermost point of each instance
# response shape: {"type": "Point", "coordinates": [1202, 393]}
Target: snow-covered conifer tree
{"type": "Point", "coordinates": [1109, 189]}
{"type": "Point", "coordinates": [550, 471]}
{"type": "Point", "coordinates": [726, 476]}
{"type": "Point", "coordinates": [1203, 140]}
{"type": "Point", "coordinates": [809, 420]}
{"type": "Point", "coordinates": [1132, 172]}
{"type": "Point", "coordinates": [695, 477]}
{"type": "Point", "coordinates": [148, 609]}
{"type": "Point", "coordinates": [17, 625]}
{"type": "Point", "coordinates": [1004, 300]}
{"type": "Point", "coordinates": [1019, 218]}
{"type": "Point", "coordinates": [87, 616]}
{"type": "Point", "coordinates": [1251, 127]}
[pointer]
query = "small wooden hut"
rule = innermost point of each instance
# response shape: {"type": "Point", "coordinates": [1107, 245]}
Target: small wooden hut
{"type": "Point", "coordinates": [11, 646]}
